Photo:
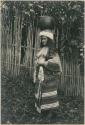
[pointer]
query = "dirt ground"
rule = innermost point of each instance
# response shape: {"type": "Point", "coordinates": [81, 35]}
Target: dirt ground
{"type": "Point", "coordinates": [17, 104]}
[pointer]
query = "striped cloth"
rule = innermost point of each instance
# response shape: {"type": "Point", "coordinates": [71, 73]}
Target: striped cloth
{"type": "Point", "coordinates": [46, 95]}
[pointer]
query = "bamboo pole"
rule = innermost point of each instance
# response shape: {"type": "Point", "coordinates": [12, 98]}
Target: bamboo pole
{"type": "Point", "coordinates": [31, 50]}
{"type": "Point", "coordinates": [33, 31]}
{"type": "Point", "coordinates": [69, 87]}
{"type": "Point", "coordinates": [66, 76]}
{"type": "Point", "coordinates": [6, 45]}
{"type": "Point", "coordinates": [12, 49]}
{"type": "Point", "coordinates": [28, 51]}
{"type": "Point", "coordinates": [62, 78]}
{"type": "Point", "coordinates": [72, 78]}
{"type": "Point", "coordinates": [76, 78]}
{"type": "Point", "coordinates": [19, 43]}
{"type": "Point", "coordinates": [73, 81]}
{"type": "Point", "coordinates": [2, 40]}
{"type": "Point", "coordinates": [7, 40]}
{"type": "Point", "coordinates": [15, 42]}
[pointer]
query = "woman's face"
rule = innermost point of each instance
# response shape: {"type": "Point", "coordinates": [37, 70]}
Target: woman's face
{"type": "Point", "coordinates": [44, 40]}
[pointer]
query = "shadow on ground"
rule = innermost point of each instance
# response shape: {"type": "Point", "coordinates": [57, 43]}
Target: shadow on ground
{"type": "Point", "coordinates": [18, 104]}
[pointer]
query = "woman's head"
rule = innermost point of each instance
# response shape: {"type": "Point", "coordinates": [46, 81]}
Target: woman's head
{"type": "Point", "coordinates": [46, 38]}
{"type": "Point", "coordinates": [45, 41]}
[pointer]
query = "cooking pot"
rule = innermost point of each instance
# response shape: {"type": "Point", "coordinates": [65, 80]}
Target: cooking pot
{"type": "Point", "coordinates": [46, 22]}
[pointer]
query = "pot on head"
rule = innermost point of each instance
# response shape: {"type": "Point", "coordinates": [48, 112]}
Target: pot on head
{"type": "Point", "coordinates": [46, 22]}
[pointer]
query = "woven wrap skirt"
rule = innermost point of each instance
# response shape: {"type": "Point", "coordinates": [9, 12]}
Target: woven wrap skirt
{"type": "Point", "coordinates": [46, 96]}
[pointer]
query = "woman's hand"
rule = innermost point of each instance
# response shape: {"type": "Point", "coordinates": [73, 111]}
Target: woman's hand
{"type": "Point", "coordinates": [41, 61]}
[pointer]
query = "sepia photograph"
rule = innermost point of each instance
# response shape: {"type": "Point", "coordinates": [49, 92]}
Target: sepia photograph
{"type": "Point", "coordinates": [42, 62]}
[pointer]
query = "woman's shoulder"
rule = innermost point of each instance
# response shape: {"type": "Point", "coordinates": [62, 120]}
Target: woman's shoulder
{"type": "Point", "coordinates": [53, 52]}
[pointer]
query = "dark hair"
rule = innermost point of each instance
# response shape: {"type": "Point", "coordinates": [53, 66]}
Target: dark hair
{"type": "Point", "coordinates": [50, 43]}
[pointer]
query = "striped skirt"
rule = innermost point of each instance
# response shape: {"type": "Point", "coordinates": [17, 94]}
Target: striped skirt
{"type": "Point", "coordinates": [46, 96]}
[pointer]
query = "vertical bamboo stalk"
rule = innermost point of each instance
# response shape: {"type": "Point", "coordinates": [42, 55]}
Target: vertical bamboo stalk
{"type": "Point", "coordinates": [79, 82]}
{"type": "Point", "coordinates": [75, 79]}
{"type": "Point", "coordinates": [82, 94]}
{"type": "Point", "coordinates": [66, 78]}
{"type": "Point", "coordinates": [19, 46]}
{"type": "Point", "coordinates": [66, 65]}
{"type": "Point", "coordinates": [69, 78]}
{"type": "Point", "coordinates": [33, 29]}
{"type": "Point", "coordinates": [69, 87]}
{"type": "Point", "coordinates": [64, 84]}
{"type": "Point", "coordinates": [15, 43]}
{"type": "Point", "coordinates": [72, 80]}
{"type": "Point", "coordinates": [7, 40]}
{"type": "Point", "coordinates": [61, 76]}
{"type": "Point", "coordinates": [27, 52]}
{"type": "Point", "coordinates": [12, 49]}
{"type": "Point", "coordinates": [4, 45]}
{"type": "Point", "coordinates": [5, 52]}
{"type": "Point", "coordinates": [31, 51]}
{"type": "Point", "coordinates": [8, 47]}
{"type": "Point", "coordinates": [30, 47]}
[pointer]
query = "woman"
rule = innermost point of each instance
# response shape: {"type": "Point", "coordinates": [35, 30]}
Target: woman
{"type": "Point", "coordinates": [48, 65]}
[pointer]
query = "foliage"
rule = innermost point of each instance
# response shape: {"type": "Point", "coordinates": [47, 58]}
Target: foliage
{"type": "Point", "coordinates": [69, 19]}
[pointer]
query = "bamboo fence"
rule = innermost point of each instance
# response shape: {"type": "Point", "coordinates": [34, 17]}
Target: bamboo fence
{"type": "Point", "coordinates": [72, 83]}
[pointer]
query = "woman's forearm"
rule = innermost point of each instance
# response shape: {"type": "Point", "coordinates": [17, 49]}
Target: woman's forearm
{"type": "Point", "coordinates": [53, 64]}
